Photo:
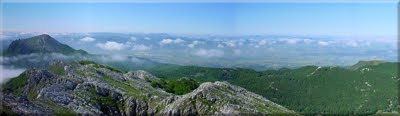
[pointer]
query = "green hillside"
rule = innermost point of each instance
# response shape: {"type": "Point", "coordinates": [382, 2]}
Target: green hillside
{"type": "Point", "coordinates": [367, 89]}
{"type": "Point", "coordinates": [366, 63]}
{"type": "Point", "coordinates": [40, 44]}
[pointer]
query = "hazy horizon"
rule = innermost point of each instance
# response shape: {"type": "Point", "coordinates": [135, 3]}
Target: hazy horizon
{"type": "Point", "coordinates": [223, 34]}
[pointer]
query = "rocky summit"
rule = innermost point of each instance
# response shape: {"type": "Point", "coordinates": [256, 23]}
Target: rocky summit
{"type": "Point", "coordinates": [95, 89]}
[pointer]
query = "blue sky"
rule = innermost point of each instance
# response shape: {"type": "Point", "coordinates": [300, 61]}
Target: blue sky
{"type": "Point", "coordinates": [204, 18]}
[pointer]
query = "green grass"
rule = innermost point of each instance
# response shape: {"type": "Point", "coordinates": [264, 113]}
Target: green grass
{"type": "Point", "coordinates": [57, 69]}
{"type": "Point", "coordinates": [176, 86]}
{"type": "Point", "coordinates": [126, 87]}
{"type": "Point", "coordinates": [16, 85]}
{"type": "Point", "coordinates": [61, 111]}
{"type": "Point", "coordinates": [86, 62]}
{"type": "Point", "coordinates": [6, 111]}
{"type": "Point", "coordinates": [57, 109]}
{"type": "Point", "coordinates": [104, 101]}
{"type": "Point", "coordinates": [328, 90]}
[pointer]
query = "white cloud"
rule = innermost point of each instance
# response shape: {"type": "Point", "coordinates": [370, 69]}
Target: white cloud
{"type": "Point", "coordinates": [4, 37]}
{"type": "Point", "coordinates": [119, 58]}
{"type": "Point", "coordinates": [240, 43]}
{"type": "Point", "coordinates": [133, 38]}
{"type": "Point", "coordinates": [307, 41]}
{"type": "Point", "coordinates": [178, 41]}
{"type": "Point", "coordinates": [209, 53]}
{"type": "Point", "coordinates": [230, 43]}
{"type": "Point", "coordinates": [111, 45]}
{"type": "Point", "coordinates": [166, 41]}
{"type": "Point", "coordinates": [193, 44]}
{"type": "Point", "coordinates": [262, 42]}
{"type": "Point", "coordinates": [113, 58]}
{"type": "Point", "coordinates": [7, 73]}
{"type": "Point", "coordinates": [147, 38]}
{"type": "Point", "coordinates": [323, 43]}
{"type": "Point", "coordinates": [140, 47]}
{"type": "Point", "coordinates": [292, 41]}
{"type": "Point", "coordinates": [352, 44]}
{"type": "Point", "coordinates": [87, 39]}
{"type": "Point", "coordinates": [367, 43]}
{"type": "Point", "coordinates": [128, 43]}
{"type": "Point", "coordinates": [220, 46]}
{"type": "Point", "coordinates": [170, 41]}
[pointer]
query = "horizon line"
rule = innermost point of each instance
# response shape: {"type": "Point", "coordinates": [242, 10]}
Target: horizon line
{"type": "Point", "coordinates": [200, 1]}
{"type": "Point", "coordinates": [207, 34]}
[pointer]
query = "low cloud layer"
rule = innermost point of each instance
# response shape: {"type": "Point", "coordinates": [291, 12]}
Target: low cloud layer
{"type": "Point", "coordinates": [194, 43]}
{"type": "Point", "coordinates": [171, 41]}
{"type": "Point", "coordinates": [209, 53]}
{"type": "Point", "coordinates": [8, 73]}
{"type": "Point", "coordinates": [323, 43]}
{"type": "Point", "coordinates": [87, 39]}
{"type": "Point", "coordinates": [111, 45]}
{"type": "Point", "coordinates": [140, 47]}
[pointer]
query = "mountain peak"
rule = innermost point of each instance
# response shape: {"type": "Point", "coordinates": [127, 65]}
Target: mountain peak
{"type": "Point", "coordinates": [43, 43]}
{"type": "Point", "coordinates": [44, 36]}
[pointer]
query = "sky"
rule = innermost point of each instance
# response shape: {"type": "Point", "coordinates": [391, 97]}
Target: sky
{"type": "Point", "coordinates": [204, 18]}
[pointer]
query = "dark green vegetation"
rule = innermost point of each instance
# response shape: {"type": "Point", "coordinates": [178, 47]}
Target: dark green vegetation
{"type": "Point", "coordinates": [361, 64]}
{"type": "Point", "coordinates": [40, 44]}
{"type": "Point", "coordinates": [130, 90]}
{"type": "Point", "coordinates": [16, 85]}
{"type": "Point", "coordinates": [86, 62]}
{"type": "Point", "coordinates": [176, 86]}
{"type": "Point", "coordinates": [366, 88]}
{"type": "Point", "coordinates": [87, 88]}
{"type": "Point", "coordinates": [22, 86]}
{"type": "Point", "coordinates": [106, 102]}
{"type": "Point", "coordinates": [57, 69]}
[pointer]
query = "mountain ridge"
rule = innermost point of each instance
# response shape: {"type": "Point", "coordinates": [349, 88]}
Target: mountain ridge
{"type": "Point", "coordinates": [40, 44]}
{"type": "Point", "coordinates": [341, 89]}
{"type": "Point", "coordinates": [363, 63]}
{"type": "Point", "coordinates": [89, 89]}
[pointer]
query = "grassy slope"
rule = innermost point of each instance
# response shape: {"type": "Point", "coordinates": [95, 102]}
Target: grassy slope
{"type": "Point", "coordinates": [326, 90]}
{"type": "Point", "coordinates": [330, 90]}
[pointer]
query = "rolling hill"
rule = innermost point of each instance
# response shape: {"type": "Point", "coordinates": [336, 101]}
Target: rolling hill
{"type": "Point", "coordinates": [367, 89]}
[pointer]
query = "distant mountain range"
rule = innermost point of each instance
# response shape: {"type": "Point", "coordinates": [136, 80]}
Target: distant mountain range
{"type": "Point", "coordinates": [40, 44]}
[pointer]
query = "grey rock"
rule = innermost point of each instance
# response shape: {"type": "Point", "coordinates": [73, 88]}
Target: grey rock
{"type": "Point", "coordinates": [90, 90]}
{"type": "Point", "coordinates": [102, 91]}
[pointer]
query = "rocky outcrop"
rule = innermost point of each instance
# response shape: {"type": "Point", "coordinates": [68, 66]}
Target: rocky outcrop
{"type": "Point", "coordinates": [222, 98]}
{"type": "Point", "coordinates": [89, 89]}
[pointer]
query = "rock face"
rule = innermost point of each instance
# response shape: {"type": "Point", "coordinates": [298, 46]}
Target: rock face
{"type": "Point", "coordinates": [89, 89]}
{"type": "Point", "coordinates": [40, 44]}
{"type": "Point", "coordinates": [220, 98]}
